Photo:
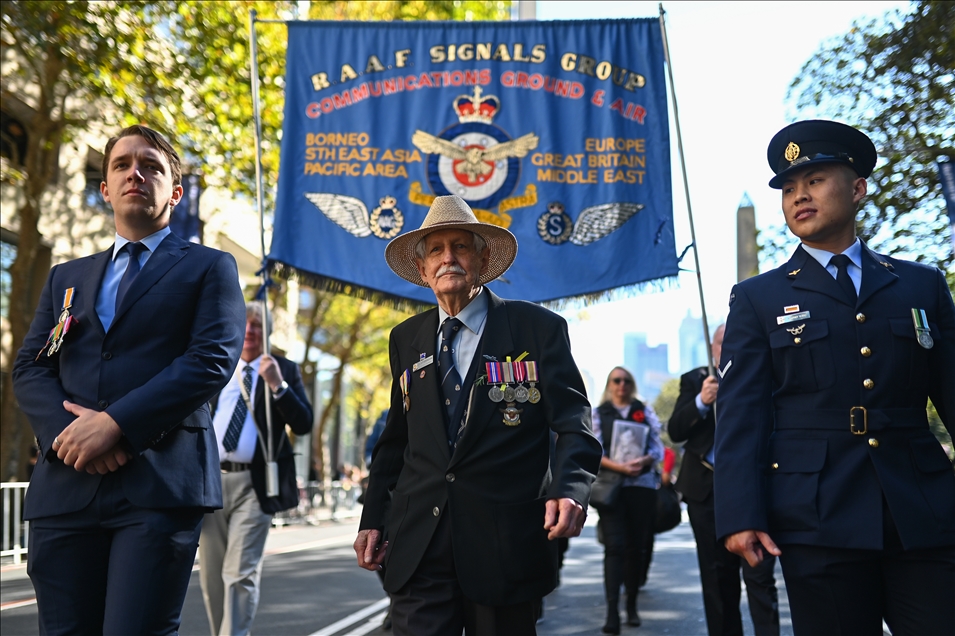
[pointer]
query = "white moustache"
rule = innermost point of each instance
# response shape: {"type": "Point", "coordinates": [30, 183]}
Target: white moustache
{"type": "Point", "coordinates": [451, 269]}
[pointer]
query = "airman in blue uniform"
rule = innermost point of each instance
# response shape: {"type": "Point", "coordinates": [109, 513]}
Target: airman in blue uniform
{"type": "Point", "coordinates": [824, 456]}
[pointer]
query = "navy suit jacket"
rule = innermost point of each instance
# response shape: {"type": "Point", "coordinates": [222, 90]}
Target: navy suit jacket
{"type": "Point", "coordinates": [293, 409]}
{"type": "Point", "coordinates": [173, 345]}
{"type": "Point", "coordinates": [695, 481]}
{"type": "Point", "coordinates": [495, 482]}
{"type": "Point", "coordinates": [786, 459]}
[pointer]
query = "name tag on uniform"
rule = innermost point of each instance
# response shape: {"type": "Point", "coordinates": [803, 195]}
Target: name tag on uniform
{"type": "Point", "coordinates": [422, 363]}
{"type": "Point", "coordinates": [782, 320]}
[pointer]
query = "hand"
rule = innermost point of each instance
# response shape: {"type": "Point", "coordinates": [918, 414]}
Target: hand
{"type": "Point", "coordinates": [370, 554]}
{"type": "Point", "coordinates": [750, 544]}
{"type": "Point", "coordinates": [270, 372]}
{"type": "Point", "coordinates": [563, 518]}
{"type": "Point", "coordinates": [89, 436]}
{"type": "Point", "coordinates": [110, 461]}
{"type": "Point", "coordinates": [708, 392]}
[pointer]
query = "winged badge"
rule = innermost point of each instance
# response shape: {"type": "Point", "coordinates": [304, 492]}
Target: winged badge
{"type": "Point", "coordinates": [385, 221]}
{"type": "Point", "coordinates": [478, 161]}
{"type": "Point", "coordinates": [593, 224]}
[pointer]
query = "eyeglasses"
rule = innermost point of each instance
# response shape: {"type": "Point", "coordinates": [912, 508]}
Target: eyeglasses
{"type": "Point", "coordinates": [623, 380]}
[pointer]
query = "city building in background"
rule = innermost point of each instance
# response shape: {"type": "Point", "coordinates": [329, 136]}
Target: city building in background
{"type": "Point", "coordinates": [649, 365]}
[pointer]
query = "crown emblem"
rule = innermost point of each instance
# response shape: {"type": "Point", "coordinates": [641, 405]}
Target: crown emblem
{"type": "Point", "coordinates": [792, 152]}
{"type": "Point", "coordinates": [476, 108]}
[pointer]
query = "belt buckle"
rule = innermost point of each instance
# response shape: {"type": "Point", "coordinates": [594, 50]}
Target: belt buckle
{"type": "Point", "coordinates": [852, 420]}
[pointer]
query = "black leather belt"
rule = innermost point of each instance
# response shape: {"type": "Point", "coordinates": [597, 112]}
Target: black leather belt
{"type": "Point", "coordinates": [857, 420]}
{"type": "Point", "coordinates": [234, 467]}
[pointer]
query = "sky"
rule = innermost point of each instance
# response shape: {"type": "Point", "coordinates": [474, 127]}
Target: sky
{"type": "Point", "coordinates": [732, 64]}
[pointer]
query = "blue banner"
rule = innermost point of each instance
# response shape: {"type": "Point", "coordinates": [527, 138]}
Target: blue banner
{"type": "Point", "coordinates": [557, 131]}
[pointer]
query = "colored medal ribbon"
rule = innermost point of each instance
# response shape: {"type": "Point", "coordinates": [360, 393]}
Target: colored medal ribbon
{"type": "Point", "coordinates": [520, 372]}
{"type": "Point", "coordinates": [405, 381]}
{"type": "Point", "coordinates": [508, 372]}
{"type": "Point", "coordinates": [923, 333]}
{"type": "Point", "coordinates": [493, 372]}
{"type": "Point", "coordinates": [55, 340]}
{"type": "Point", "coordinates": [531, 368]}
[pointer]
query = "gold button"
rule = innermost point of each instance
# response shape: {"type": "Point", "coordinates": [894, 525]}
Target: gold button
{"type": "Point", "coordinates": [873, 442]}
{"type": "Point", "coordinates": [866, 352]}
{"type": "Point", "coordinates": [775, 466]}
{"type": "Point", "coordinates": [797, 340]}
{"type": "Point", "coordinates": [867, 383]}
{"type": "Point", "coordinates": [860, 317]}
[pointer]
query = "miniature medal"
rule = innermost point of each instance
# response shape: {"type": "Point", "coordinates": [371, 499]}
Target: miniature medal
{"type": "Point", "coordinates": [923, 333]}
{"type": "Point", "coordinates": [55, 340]}
{"type": "Point", "coordinates": [496, 394]}
{"type": "Point", "coordinates": [520, 374]}
{"type": "Point", "coordinates": [404, 381]}
{"type": "Point", "coordinates": [533, 394]}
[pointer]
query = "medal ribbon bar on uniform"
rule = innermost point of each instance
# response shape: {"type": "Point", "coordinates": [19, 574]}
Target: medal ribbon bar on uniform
{"type": "Point", "coordinates": [493, 372]}
{"type": "Point", "coordinates": [404, 381]}
{"type": "Point", "coordinates": [55, 340]}
{"type": "Point", "coordinates": [507, 369]}
{"type": "Point", "coordinates": [531, 371]}
{"type": "Point", "coordinates": [520, 372]}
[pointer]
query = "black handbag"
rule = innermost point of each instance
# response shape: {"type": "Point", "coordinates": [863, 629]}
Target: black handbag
{"type": "Point", "coordinates": [606, 489]}
{"type": "Point", "coordinates": [668, 514]}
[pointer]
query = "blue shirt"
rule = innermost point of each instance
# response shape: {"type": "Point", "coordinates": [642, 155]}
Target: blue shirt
{"type": "Point", "coordinates": [106, 299]}
{"type": "Point", "coordinates": [854, 252]}
{"type": "Point", "coordinates": [473, 316]}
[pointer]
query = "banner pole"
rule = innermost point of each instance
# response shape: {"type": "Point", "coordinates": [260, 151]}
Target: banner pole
{"type": "Point", "coordinates": [266, 332]}
{"type": "Point", "coordinates": [686, 188]}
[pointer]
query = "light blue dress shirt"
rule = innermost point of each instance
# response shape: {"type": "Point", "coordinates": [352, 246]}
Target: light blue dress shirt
{"type": "Point", "coordinates": [854, 252]}
{"type": "Point", "coordinates": [106, 298]}
{"type": "Point", "coordinates": [474, 316]}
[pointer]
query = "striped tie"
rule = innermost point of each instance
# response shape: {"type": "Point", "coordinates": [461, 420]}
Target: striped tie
{"type": "Point", "coordinates": [231, 440]}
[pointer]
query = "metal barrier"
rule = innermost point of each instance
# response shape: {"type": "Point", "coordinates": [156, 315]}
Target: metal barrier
{"type": "Point", "coordinates": [317, 503]}
{"type": "Point", "coordinates": [16, 531]}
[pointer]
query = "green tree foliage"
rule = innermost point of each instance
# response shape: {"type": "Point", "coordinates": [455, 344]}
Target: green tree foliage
{"type": "Point", "coordinates": [894, 78]}
{"type": "Point", "coordinates": [182, 68]}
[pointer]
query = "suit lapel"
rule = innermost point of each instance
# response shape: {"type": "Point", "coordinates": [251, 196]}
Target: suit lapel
{"type": "Point", "coordinates": [426, 392]}
{"type": "Point", "coordinates": [169, 252]}
{"type": "Point", "coordinates": [876, 274]}
{"type": "Point", "coordinates": [805, 272]}
{"type": "Point", "coordinates": [497, 344]}
{"type": "Point", "coordinates": [93, 278]}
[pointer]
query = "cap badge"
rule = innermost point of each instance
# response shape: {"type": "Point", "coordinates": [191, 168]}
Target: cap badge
{"type": "Point", "coordinates": [792, 152]}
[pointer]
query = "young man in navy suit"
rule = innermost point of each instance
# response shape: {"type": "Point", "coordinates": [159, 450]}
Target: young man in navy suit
{"type": "Point", "coordinates": [823, 451]}
{"type": "Point", "coordinates": [126, 349]}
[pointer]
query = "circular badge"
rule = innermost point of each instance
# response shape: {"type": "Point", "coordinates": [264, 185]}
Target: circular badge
{"type": "Point", "coordinates": [925, 339]}
{"type": "Point", "coordinates": [533, 395]}
{"type": "Point", "coordinates": [521, 393]}
{"type": "Point", "coordinates": [495, 394]}
{"type": "Point", "coordinates": [483, 184]}
{"type": "Point", "coordinates": [554, 226]}
{"type": "Point", "coordinates": [387, 220]}
{"type": "Point", "coordinates": [509, 394]}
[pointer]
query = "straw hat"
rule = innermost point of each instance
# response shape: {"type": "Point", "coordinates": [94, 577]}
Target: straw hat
{"type": "Point", "coordinates": [451, 213]}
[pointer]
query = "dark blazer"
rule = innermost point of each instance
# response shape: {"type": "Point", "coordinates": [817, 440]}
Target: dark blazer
{"type": "Point", "coordinates": [173, 345]}
{"type": "Point", "coordinates": [786, 459]}
{"type": "Point", "coordinates": [495, 483]}
{"type": "Point", "coordinates": [293, 409]}
{"type": "Point", "coordinates": [695, 481]}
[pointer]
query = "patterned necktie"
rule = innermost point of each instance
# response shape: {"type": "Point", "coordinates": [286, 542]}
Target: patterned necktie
{"type": "Point", "coordinates": [841, 261]}
{"type": "Point", "coordinates": [231, 440]}
{"type": "Point", "coordinates": [132, 270]}
{"type": "Point", "coordinates": [451, 380]}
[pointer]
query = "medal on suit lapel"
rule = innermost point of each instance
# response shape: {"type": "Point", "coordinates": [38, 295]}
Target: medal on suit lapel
{"type": "Point", "coordinates": [533, 393]}
{"type": "Point", "coordinates": [520, 375]}
{"type": "Point", "coordinates": [62, 327]}
{"type": "Point", "coordinates": [923, 333]}
{"type": "Point", "coordinates": [404, 381]}
{"type": "Point", "coordinates": [496, 392]}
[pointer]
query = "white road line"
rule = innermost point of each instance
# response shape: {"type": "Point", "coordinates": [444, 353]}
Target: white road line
{"type": "Point", "coordinates": [373, 623]}
{"type": "Point", "coordinates": [15, 604]}
{"type": "Point", "coordinates": [348, 621]}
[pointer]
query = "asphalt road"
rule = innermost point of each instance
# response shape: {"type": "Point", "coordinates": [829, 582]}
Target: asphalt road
{"type": "Point", "coordinates": [312, 586]}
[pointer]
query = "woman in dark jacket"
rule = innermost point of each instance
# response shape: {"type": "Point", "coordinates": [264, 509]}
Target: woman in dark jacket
{"type": "Point", "coordinates": [632, 450]}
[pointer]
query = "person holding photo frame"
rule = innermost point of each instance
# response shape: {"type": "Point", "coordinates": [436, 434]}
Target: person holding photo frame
{"type": "Point", "coordinates": [629, 433]}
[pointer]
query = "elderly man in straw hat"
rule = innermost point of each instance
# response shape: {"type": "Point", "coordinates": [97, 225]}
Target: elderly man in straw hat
{"type": "Point", "coordinates": [462, 510]}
